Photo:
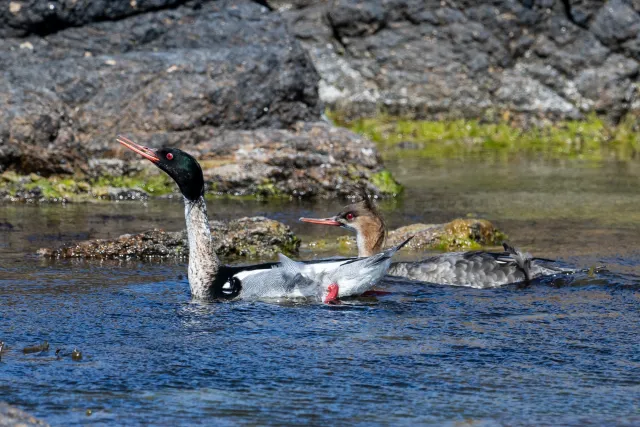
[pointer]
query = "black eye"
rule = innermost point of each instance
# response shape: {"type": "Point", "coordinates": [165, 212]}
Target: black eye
{"type": "Point", "coordinates": [349, 216]}
{"type": "Point", "coordinates": [169, 156]}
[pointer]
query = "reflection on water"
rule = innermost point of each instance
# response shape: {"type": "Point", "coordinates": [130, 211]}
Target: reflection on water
{"type": "Point", "coordinates": [552, 353]}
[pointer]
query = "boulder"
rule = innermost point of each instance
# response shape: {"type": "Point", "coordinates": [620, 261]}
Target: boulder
{"type": "Point", "coordinates": [65, 95]}
{"type": "Point", "coordinates": [242, 238]}
{"type": "Point", "coordinates": [309, 160]}
{"type": "Point", "coordinates": [459, 234]}
{"type": "Point", "coordinates": [471, 59]}
{"type": "Point", "coordinates": [223, 79]}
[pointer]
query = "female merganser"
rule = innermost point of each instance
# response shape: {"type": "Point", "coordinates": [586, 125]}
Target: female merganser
{"type": "Point", "coordinates": [326, 280]}
{"type": "Point", "coordinates": [476, 269]}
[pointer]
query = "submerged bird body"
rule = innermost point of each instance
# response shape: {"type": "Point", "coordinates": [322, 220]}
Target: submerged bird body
{"type": "Point", "coordinates": [476, 269]}
{"type": "Point", "coordinates": [290, 278]}
{"type": "Point", "coordinates": [208, 279]}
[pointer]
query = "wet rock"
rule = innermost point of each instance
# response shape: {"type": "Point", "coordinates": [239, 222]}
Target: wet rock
{"type": "Point", "coordinates": [11, 416]}
{"type": "Point", "coordinates": [23, 17]}
{"type": "Point", "coordinates": [65, 94]}
{"type": "Point", "coordinates": [469, 59]}
{"type": "Point", "coordinates": [245, 237]}
{"type": "Point", "coordinates": [224, 79]}
{"type": "Point", "coordinates": [76, 356]}
{"type": "Point", "coordinates": [459, 234]}
{"type": "Point", "coordinates": [38, 348]}
{"type": "Point", "coordinates": [310, 160]}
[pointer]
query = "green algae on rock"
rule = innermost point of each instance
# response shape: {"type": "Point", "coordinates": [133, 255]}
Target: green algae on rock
{"type": "Point", "coordinates": [313, 160]}
{"type": "Point", "coordinates": [386, 183]}
{"type": "Point", "coordinates": [589, 139]}
{"type": "Point", "coordinates": [459, 234]}
{"type": "Point", "coordinates": [255, 237]}
{"type": "Point", "coordinates": [35, 188]}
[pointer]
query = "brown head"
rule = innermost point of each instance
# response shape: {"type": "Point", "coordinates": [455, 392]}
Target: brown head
{"type": "Point", "coordinates": [363, 218]}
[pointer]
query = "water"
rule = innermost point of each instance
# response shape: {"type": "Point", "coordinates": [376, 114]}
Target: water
{"type": "Point", "coordinates": [554, 353]}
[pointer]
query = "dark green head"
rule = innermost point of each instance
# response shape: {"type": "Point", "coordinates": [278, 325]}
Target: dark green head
{"type": "Point", "coordinates": [181, 166]}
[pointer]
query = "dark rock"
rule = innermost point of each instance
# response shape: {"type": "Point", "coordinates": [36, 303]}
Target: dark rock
{"type": "Point", "coordinates": [616, 23]}
{"type": "Point", "coordinates": [217, 64]}
{"type": "Point", "coordinates": [11, 416]}
{"type": "Point", "coordinates": [223, 79]}
{"type": "Point", "coordinates": [245, 237]}
{"type": "Point", "coordinates": [23, 17]}
{"type": "Point", "coordinates": [469, 59]}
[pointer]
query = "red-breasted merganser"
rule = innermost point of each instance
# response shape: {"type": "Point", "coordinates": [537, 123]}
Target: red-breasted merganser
{"type": "Point", "coordinates": [476, 269]}
{"type": "Point", "coordinates": [326, 280]}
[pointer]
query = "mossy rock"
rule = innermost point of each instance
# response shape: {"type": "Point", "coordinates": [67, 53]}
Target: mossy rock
{"type": "Point", "coordinates": [459, 234]}
{"type": "Point", "coordinates": [386, 183]}
{"type": "Point", "coordinates": [255, 237]}
{"type": "Point", "coordinates": [590, 139]}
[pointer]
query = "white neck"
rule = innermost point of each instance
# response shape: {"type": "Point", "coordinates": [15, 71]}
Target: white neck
{"type": "Point", "coordinates": [363, 251]}
{"type": "Point", "coordinates": [203, 261]}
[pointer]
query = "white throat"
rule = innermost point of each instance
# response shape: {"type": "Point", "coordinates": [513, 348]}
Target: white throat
{"type": "Point", "coordinates": [203, 261]}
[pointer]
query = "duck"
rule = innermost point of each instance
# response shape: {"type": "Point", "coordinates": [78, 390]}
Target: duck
{"type": "Point", "coordinates": [326, 280]}
{"type": "Point", "coordinates": [476, 269]}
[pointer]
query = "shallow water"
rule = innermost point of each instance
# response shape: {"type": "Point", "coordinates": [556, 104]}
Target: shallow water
{"type": "Point", "coordinates": [554, 353]}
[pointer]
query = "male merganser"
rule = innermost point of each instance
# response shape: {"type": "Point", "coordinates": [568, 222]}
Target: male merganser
{"type": "Point", "coordinates": [476, 269]}
{"type": "Point", "coordinates": [326, 280]}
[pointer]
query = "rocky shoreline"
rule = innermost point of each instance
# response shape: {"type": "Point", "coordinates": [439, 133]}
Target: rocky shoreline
{"type": "Point", "coordinates": [224, 80]}
{"type": "Point", "coordinates": [244, 84]}
{"type": "Point", "coordinates": [306, 161]}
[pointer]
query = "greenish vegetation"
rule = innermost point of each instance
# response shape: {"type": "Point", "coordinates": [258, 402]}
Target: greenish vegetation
{"type": "Point", "coordinates": [386, 183]}
{"type": "Point", "coordinates": [57, 188]}
{"type": "Point", "coordinates": [156, 184]}
{"type": "Point", "coordinates": [49, 188]}
{"type": "Point", "coordinates": [589, 139]}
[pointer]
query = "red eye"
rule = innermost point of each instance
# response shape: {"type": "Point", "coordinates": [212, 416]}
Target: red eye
{"type": "Point", "coordinates": [169, 156]}
{"type": "Point", "coordinates": [349, 216]}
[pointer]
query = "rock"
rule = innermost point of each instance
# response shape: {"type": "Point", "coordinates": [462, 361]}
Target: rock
{"type": "Point", "coordinates": [468, 59]}
{"type": "Point", "coordinates": [617, 25]}
{"type": "Point", "coordinates": [310, 160]}
{"type": "Point", "coordinates": [459, 234]}
{"type": "Point", "coordinates": [222, 79]}
{"type": "Point", "coordinates": [11, 416]}
{"type": "Point", "coordinates": [245, 237]}
{"type": "Point", "coordinates": [23, 17]}
{"type": "Point", "coordinates": [215, 64]}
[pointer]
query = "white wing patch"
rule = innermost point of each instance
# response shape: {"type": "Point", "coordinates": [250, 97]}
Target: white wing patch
{"type": "Point", "coordinates": [246, 273]}
{"type": "Point", "coordinates": [322, 267]}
